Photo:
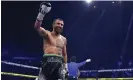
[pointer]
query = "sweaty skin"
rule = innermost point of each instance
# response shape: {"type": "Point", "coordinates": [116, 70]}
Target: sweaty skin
{"type": "Point", "coordinates": [53, 42]}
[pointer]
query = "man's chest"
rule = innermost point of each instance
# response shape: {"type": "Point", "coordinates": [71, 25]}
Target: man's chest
{"type": "Point", "coordinates": [57, 41]}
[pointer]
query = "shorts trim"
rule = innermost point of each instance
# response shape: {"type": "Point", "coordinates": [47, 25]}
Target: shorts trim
{"type": "Point", "coordinates": [52, 55]}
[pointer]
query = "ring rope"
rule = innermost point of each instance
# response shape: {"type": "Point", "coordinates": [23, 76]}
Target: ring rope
{"type": "Point", "coordinates": [16, 74]}
{"type": "Point", "coordinates": [106, 79]}
{"type": "Point", "coordinates": [31, 76]}
{"type": "Point", "coordinates": [20, 65]}
{"type": "Point", "coordinates": [107, 70]}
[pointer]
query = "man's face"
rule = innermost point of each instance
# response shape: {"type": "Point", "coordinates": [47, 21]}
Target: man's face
{"type": "Point", "coordinates": [58, 26]}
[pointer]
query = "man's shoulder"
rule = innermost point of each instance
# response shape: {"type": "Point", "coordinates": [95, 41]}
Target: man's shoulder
{"type": "Point", "coordinates": [63, 37]}
{"type": "Point", "coordinates": [49, 31]}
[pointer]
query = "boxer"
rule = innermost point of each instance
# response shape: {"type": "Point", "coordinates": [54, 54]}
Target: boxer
{"type": "Point", "coordinates": [54, 47]}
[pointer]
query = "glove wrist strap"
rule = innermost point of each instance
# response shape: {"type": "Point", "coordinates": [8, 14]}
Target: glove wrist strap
{"type": "Point", "coordinates": [40, 16]}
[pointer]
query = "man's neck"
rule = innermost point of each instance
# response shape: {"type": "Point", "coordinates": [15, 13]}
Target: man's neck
{"type": "Point", "coordinates": [55, 34]}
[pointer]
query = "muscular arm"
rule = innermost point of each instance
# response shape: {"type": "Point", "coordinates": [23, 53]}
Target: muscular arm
{"type": "Point", "coordinates": [40, 30]}
{"type": "Point", "coordinates": [65, 52]}
{"type": "Point", "coordinates": [44, 8]}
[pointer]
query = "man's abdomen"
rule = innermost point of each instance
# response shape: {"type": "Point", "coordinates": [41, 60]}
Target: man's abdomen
{"type": "Point", "coordinates": [52, 50]}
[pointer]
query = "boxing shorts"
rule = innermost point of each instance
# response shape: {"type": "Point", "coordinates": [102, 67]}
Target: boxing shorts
{"type": "Point", "coordinates": [52, 67]}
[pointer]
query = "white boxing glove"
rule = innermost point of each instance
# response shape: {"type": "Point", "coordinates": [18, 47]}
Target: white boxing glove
{"type": "Point", "coordinates": [65, 70]}
{"type": "Point", "coordinates": [66, 66]}
{"type": "Point", "coordinates": [45, 7]}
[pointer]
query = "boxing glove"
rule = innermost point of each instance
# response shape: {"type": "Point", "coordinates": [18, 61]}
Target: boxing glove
{"type": "Point", "coordinates": [45, 7]}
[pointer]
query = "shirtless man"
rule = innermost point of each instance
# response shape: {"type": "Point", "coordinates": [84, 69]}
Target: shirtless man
{"type": "Point", "coordinates": [54, 47]}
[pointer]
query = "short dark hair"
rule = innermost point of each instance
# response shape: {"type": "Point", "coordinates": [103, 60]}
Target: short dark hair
{"type": "Point", "coordinates": [57, 19]}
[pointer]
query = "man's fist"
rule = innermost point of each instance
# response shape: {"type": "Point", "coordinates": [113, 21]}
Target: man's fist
{"type": "Point", "coordinates": [88, 60]}
{"type": "Point", "coordinates": [45, 7]}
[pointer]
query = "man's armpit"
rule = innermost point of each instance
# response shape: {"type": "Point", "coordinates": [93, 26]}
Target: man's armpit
{"type": "Point", "coordinates": [42, 32]}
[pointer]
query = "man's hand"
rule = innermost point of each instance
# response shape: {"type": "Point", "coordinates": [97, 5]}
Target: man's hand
{"type": "Point", "coordinates": [65, 70]}
{"type": "Point", "coordinates": [45, 7]}
{"type": "Point", "coordinates": [65, 66]}
{"type": "Point", "coordinates": [88, 60]}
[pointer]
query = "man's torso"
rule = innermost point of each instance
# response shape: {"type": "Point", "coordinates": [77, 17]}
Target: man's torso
{"type": "Point", "coordinates": [53, 44]}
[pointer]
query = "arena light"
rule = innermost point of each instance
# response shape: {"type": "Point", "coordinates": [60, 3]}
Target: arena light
{"type": "Point", "coordinates": [88, 1]}
{"type": "Point", "coordinates": [94, 6]}
{"type": "Point", "coordinates": [113, 2]}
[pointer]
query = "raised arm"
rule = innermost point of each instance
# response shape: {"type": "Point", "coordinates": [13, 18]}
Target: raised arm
{"type": "Point", "coordinates": [44, 8]}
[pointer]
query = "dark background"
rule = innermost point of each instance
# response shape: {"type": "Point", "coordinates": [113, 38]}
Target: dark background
{"type": "Point", "coordinates": [99, 33]}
